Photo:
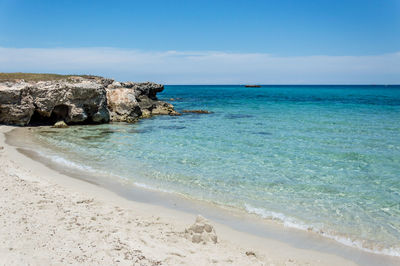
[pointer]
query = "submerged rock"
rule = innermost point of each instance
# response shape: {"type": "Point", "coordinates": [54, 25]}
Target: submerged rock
{"type": "Point", "coordinates": [201, 231]}
{"type": "Point", "coordinates": [174, 99]}
{"type": "Point", "coordinates": [79, 100]}
{"type": "Point", "coordinates": [197, 111]}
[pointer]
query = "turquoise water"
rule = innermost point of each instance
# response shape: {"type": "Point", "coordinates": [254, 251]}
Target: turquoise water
{"type": "Point", "coordinates": [318, 158]}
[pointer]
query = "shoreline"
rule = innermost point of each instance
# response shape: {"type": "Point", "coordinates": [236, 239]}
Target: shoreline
{"type": "Point", "coordinates": [267, 250]}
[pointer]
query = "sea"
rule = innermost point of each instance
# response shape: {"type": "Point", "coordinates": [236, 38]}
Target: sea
{"type": "Point", "coordinates": [323, 159]}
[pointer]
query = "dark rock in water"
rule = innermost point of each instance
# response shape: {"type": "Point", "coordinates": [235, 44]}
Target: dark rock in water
{"type": "Point", "coordinates": [142, 130]}
{"type": "Point", "coordinates": [252, 86]}
{"type": "Point", "coordinates": [96, 137]}
{"type": "Point", "coordinates": [172, 127]}
{"type": "Point", "coordinates": [108, 132]}
{"type": "Point", "coordinates": [79, 100]}
{"type": "Point", "coordinates": [262, 133]}
{"type": "Point", "coordinates": [197, 111]}
{"type": "Point", "coordinates": [47, 132]}
{"type": "Point", "coordinates": [237, 116]}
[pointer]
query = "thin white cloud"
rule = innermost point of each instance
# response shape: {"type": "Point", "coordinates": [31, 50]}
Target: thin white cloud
{"type": "Point", "coordinates": [205, 67]}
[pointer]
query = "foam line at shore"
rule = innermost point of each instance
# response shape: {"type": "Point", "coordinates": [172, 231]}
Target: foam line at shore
{"type": "Point", "coordinates": [294, 223]}
{"type": "Point", "coordinates": [65, 162]}
{"type": "Point", "coordinates": [62, 162]}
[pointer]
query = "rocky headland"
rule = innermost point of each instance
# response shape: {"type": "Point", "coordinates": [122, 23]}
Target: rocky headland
{"type": "Point", "coordinates": [78, 100]}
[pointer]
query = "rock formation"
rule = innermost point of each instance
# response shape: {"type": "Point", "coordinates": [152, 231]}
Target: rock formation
{"type": "Point", "coordinates": [79, 100]}
{"type": "Point", "coordinates": [60, 124]}
{"type": "Point", "coordinates": [128, 101]}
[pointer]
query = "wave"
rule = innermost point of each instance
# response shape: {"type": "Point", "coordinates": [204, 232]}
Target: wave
{"type": "Point", "coordinates": [297, 224]}
{"type": "Point", "coordinates": [76, 166]}
{"type": "Point", "coordinates": [70, 164]}
{"type": "Point", "coordinates": [145, 186]}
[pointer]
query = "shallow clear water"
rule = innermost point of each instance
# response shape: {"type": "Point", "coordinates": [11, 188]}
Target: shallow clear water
{"type": "Point", "coordinates": [320, 158]}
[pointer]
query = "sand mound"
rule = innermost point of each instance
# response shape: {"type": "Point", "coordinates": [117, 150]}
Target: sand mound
{"type": "Point", "coordinates": [201, 231]}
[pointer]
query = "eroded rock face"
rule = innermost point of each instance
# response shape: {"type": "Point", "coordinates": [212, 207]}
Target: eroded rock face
{"type": "Point", "coordinates": [123, 105]}
{"type": "Point", "coordinates": [129, 101]}
{"type": "Point", "coordinates": [79, 100]}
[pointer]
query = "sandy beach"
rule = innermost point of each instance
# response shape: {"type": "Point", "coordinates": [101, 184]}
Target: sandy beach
{"type": "Point", "coordinates": [49, 218]}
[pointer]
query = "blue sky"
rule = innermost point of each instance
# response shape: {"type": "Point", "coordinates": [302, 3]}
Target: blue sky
{"type": "Point", "coordinates": [316, 41]}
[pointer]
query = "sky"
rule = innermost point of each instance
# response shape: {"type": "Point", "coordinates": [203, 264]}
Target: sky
{"type": "Point", "coordinates": [206, 42]}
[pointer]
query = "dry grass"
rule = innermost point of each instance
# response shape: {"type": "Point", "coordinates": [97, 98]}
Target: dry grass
{"type": "Point", "coordinates": [38, 76]}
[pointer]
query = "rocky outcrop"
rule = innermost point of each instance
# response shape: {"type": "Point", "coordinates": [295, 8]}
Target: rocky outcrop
{"type": "Point", "coordinates": [129, 101]}
{"type": "Point", "coordinates": [79, 100]}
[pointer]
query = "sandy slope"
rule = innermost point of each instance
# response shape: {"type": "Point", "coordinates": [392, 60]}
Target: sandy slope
{"type": "Point", "coordinates": [47, 218]}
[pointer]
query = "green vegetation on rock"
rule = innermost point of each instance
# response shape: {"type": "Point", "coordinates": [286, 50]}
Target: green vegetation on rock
{"type": "Point", "coordinates": [38, 76]}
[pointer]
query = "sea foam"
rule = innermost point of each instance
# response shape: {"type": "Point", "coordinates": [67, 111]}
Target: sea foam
{"type": "Point", "coordinates": [67, 163]}
{"type": "Point", "coordinates": [297, 224]}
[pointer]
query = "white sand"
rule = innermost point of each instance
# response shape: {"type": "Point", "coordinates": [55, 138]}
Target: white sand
{"type": "Point", "coordinates": [48, 218]}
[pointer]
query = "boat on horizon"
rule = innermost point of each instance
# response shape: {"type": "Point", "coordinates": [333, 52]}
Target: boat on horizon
{"type": "Point", "coordinates": [252, 86]}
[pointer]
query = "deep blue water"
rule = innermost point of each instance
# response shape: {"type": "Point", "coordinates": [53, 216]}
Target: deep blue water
{"type": "Point", "coordinates": [320, 158]}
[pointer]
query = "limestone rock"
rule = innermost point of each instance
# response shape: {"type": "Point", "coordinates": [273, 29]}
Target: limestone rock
{"type": "Point", "coordinates": [60, 124]}
{"type": "Point", "coordinates": [123, 105]}
{"type": "Point", "coordinates": [201, 231]}
{"type": "Point", "coordinates": [46, 102]}
{"type": "Point", "coordinates": [129, 101]}
{"type": "Point", "coordinates": [163, 108]}
{"type": "Point", "coordinates": [79, 100]}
